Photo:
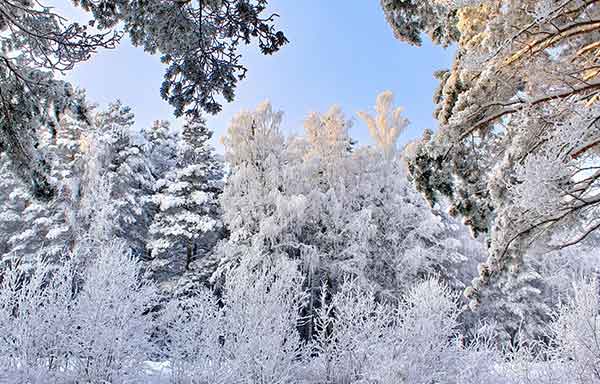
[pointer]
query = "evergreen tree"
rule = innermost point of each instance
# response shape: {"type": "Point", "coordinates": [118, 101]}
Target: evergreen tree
{"type": "Point", "coordinates": [160, 147]}
{"type": "Point", "coordinates": [11, 205]}
{"type": "Point", "coordinates": [46, 228]}
{"type": "Point", "coordinates": [411, 18]}
{"type": "Point", "coordinates": [127, 170]}
{"type": "Point", "coordinates": [517, 147]}
{"type": "Point", "coordinates": [37, 42]}
{"type": "Point", "coordinates": [199, 42]}
{"type": "Point", "coordinates": [187, 223]}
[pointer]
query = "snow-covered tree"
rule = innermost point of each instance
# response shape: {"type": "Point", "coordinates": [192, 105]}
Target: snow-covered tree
{"type": "Point", "coordinates": [36, 42]}
{"type": "Point", "coordinates": [160, 146]}
{"type": "Point", "coordinates": [339, 210]}
{"type": "Point", "coordinates": [410, 18]}
{"type": "Point", "coordinates": [125, 166]}
{"type": "Point", "coordinates": [254, 152]}
{"type": "Point", "coordinates": [387, 126]}
{"type": "Point", "coordinates": [41, 228]}
{"type": "Point", "coordinates": [11, 204]}
{"type": "Point", "coordinates": [516, 150]}
{"type": "Point", "coordinates": [187, 224]}
{"type": "Point", "coordinates": [46, 227]}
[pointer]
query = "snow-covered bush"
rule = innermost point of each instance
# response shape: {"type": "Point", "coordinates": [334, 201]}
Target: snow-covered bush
{"type": "Point", "coordinates": [61, 326]}
{"type": "Point", "coordinates": [250, 336]}
{"type": "Point", "coordinates": [192, 329]}
{"type": "Point", "coordinates": [570, 354]}
{"type": "Point", "coordinates": [58, 325]}
{"type": "Point", "coordinates": [576, 334]}
{"type": "Point", "coordinates": [35, 322]}
{"type": "Point", "coordinates": [352, 333]}
{"type": "Point", "coordinates": [111, 335]}
{"type": "Point", "coordinates": [360, 340]}
{"type": "Point", "coordinates": [261, 309]}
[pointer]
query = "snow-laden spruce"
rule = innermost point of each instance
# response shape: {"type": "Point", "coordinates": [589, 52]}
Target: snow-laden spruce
{"type": "Point", "coordinates": [187, 222]}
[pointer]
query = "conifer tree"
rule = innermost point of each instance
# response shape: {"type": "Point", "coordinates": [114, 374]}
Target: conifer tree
{"type": "Point", "coordinates": [46, 228]}
{"type": "Point", "coordinates": [127, 170]}
{"type": "Point", "coordinates": [11, 205]}
{"type": "Point", "coordinates": [187, 223]}
{"type": "Point", "coordinates": [160, 147]}
{"type": "Point", "coordinates": [516, 151]}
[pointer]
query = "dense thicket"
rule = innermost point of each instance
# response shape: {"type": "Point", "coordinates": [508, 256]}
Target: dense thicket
{"type": "Point", "coordinates": [333, 268]}
{"type": "Point", "coordinates": [66, 324]}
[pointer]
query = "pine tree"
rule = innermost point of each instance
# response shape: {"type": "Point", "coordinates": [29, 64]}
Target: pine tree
{"type": "Point", "coordinates": [127, 170]}
{"type": "Point", "coordinates": [517, 145]}
{"type": "Point", "coordinates": [46, 228]}
{"type": "Point", "coordinates": [411, 18]}
{"type": "Point", "coordinates": [187, 223]}
{"type": "Point", "coordinates": [160, 146]}
{"type": "Point", "coordinates": [67, 149]}
{"type": "Point", "coordinates": [36, 44]}
{"type": "Point", "coordinates": [11, 205]}
{"type": "Point", "coordinates": [199, 42]}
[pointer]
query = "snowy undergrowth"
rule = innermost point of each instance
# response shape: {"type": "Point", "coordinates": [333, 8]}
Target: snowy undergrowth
{"type": "Point", "coordinates": [63, 325]}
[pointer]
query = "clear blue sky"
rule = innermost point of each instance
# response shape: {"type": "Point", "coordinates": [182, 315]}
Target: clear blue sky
{"type": "Point", "coordinates": [340, 52]}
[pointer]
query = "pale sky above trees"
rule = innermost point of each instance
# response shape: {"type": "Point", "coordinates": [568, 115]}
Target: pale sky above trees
{"type": "Point", "coordinates": [339, 54]}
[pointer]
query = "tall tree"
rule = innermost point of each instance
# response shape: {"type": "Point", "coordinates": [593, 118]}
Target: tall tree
{"type": "Point", "coordinates": [46, 228]}
{"type": "Point", "coordinates": [339, 211]}
{"type": "Point", "coordinates": [127, 171]}
{"type": "Point", "coordinates": [187, 224]}
{"type": "Point", "coordinates": [516, 150]}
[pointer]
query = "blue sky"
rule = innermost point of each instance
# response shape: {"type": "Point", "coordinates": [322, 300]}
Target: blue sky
{"type": "Point", "coordinates": [340, 52]}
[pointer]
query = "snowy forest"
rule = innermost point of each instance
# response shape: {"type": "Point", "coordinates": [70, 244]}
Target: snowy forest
{"type": "Point", "coordinates": [134, 254]}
